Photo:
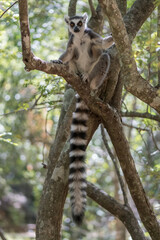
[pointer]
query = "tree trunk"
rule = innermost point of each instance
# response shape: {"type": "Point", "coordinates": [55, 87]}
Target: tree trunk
{"type": "Point", "coordinates": [55, 188]}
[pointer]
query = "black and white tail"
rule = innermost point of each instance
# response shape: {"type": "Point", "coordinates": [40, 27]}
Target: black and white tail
{"type": "Point", "coordinates": [77, 172]}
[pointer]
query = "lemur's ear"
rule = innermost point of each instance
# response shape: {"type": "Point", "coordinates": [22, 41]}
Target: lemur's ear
{"type": "Point", "coordinates": [85, 17]}
{"type": "Point", "coordinates": [66, 18]}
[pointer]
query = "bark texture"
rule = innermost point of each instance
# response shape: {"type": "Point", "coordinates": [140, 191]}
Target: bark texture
{"type": "Point", "coordinates": [55, 188]}
{"type": "Point", "coordinates": [122, 5]}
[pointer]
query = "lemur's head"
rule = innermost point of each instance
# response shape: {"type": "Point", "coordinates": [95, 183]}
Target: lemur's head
{"type": "Point", "coordinates": [77, 24]}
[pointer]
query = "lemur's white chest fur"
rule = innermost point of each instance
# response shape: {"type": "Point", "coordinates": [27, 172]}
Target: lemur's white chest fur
{"type": "Point", "coordinates": [83, 61]}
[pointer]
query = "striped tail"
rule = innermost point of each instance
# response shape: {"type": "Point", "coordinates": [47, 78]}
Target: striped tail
{"type": "Point", "coordinates": [77, 173]}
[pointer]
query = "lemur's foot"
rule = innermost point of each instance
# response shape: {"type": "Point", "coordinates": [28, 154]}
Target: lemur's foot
{"type": "Point", "coordinates": [57, 61]}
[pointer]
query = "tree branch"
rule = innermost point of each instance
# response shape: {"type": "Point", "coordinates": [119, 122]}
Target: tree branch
{"type": "Point", "coordinates": [115, 163]}
{"type": "Point", "coordinates": [96, 20]}
{"type": "Point", "coordinates": [122, 5]}
{"type": "Point", "coordinates": [8, 9]}
{"type": "Point", "coordinates": [23, 110]}
{"type": "Point", "coordinates": [93, 11]}
{"type": "Point", "coordinates": [61, 135]}
{"type": "Point", "coordinates": [140, 88]}
{"type": "Point", "coordinates": [124, 213]}
{"type": "Point", "coordinates": [141, 115]}
{"type": "Point", "coordinates": [139, 129]}
{"type": "Point", "coordinates": [72, 8]}
{"type": "Point", "coordinates": [154, 141]}
{"type": "Point", "coordinates": [2, 235]}
{"type": "Point", "coordinates": [137, 15]}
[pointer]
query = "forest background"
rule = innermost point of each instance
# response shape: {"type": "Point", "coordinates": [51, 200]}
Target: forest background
{"type": "Point", "coordinates": [30, 105]}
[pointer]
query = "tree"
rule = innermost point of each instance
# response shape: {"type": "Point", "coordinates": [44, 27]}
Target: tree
{"type": "Point", "coordinates": [106, 109]}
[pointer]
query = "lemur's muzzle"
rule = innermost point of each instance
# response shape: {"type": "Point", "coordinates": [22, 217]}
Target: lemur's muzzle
{"type": "Point", "coordinates": [76, 29]}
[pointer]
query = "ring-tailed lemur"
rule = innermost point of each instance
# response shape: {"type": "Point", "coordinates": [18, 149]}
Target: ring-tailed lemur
{"type": "Point", "coordinates": [86, 57]}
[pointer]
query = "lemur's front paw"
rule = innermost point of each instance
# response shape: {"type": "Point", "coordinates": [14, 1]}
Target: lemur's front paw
{"type": "Point", "coordinates": [85, 77]}
{"type": "Point", "coordinates": [57, 61]}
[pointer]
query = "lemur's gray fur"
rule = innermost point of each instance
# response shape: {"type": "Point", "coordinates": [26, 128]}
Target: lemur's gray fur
{"type": "Point", "coordinates": [85, 56]}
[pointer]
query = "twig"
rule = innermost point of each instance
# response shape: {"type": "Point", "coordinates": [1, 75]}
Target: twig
{"type": "Point", "coordinates": [36, 101]}
{"type": "Point", "coordinates": [44, 144]}
{"type": "Point", "coordinates": [125, 105]}
{"type": "Point", "coordinates": [154, 140]}
{"type": "Point", "coordinates": [49, 102]}
{"type": "Point", "coordinates": [114, 160]}
{"type": "Point", "coordinates": [139, 129]}
{"type": "Point", "coordinates": [144, 141]}
{"type": "Point", "coordinates": [2, 235]}
{"type": "Point", "coordinates": [8, 9]}
{"type": "Point", "coordinates": [22, 110]}
{"type": "Point", "coordinates": [141, 115]}
{"type": "Point", "coordinates": [13, 112]}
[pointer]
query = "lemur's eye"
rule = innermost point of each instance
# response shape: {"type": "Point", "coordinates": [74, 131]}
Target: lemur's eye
{"type": "Point", "coordinates": [79, 23]}
{"type": "Point", "coordinates": [72, 24]}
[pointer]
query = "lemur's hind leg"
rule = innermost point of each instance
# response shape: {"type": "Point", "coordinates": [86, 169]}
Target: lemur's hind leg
{"type": "Point", "coordinates": [99, 71]}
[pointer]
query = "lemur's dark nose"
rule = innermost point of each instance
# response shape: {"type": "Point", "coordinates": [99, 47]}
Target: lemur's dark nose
{"type": "Point", "coordinates": [76, 29]}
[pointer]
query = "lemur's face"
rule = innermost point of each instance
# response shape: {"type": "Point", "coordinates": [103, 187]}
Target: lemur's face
{"type": "Point", "coordinates": [77, 24]}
